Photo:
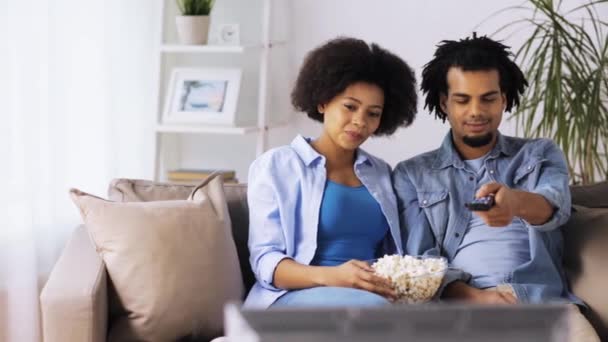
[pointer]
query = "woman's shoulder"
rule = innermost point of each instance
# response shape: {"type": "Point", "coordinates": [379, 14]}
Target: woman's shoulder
{"type": "Point", "coordinates": [278, 163]}
{"type": "Point", "coordinates": [281, 166]}
{"type": "Point", "coordinates": [281, 155]}
{"type": "Point", "coordinates": [376, 162]}
{"type": "Point", "coordinates": [298, 153]}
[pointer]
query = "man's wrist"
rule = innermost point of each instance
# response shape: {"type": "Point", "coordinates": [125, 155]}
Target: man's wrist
{"type": "Point", "coordinates": [532, 207]}
{"type": "Point", "coordinates": [519, 198]}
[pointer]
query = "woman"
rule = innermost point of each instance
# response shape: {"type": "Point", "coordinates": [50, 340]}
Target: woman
{"type": "Point", "coordinates": [320, 207]}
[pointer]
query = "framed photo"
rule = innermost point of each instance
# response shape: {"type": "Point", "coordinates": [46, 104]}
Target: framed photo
{"type": "Point", "coordinates": [205, 96]}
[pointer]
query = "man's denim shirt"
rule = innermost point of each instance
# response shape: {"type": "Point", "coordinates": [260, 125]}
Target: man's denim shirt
{"type": "Point", "coordinates": [432, 188]}
{"type": "Point", "coordinates": [285, 190]}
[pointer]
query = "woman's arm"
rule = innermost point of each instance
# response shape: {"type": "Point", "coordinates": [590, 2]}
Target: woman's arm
{"type": "Point", "coordinates": [292, 275]}
{"type": "Point", "coordinates": [267, 244]}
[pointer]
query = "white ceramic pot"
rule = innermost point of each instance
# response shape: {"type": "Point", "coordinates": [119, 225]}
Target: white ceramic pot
{"type": "Point", "coordinates": [192, 29]}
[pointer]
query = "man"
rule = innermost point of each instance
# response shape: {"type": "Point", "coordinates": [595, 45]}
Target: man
{"type": "Point", "coordinates": [512, 252]}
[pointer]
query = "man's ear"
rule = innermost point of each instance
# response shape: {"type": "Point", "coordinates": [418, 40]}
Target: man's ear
{"type": "Point", "coordinates": [503, 96]}
{"type": "Point", "coordinates": [443, 99]}
{"type": "Point", "coordinates": [321, 109]}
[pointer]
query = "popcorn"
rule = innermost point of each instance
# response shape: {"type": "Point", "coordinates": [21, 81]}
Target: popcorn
{"type": "Point", "coordinates": [416, 279]}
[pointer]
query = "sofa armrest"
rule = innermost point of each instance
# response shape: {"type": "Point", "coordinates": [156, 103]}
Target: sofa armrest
{"type": "Point", "coordinates": [74, 300]}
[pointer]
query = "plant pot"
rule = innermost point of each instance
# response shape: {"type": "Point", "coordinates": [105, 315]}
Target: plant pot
{"type": "Point", "coordinates": [192, 29]}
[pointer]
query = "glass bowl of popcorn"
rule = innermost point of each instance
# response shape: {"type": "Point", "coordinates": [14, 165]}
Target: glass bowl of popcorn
{"type": "Point", "coordinates": [415, 278]}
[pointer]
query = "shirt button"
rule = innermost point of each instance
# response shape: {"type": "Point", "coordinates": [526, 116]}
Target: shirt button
{"type": "Point", "coordinates": [471, 178]}
{"type": "Point", "coordinates": [457, 234]}
{"type": "Point", "coordinates": [492, 171]}
{"type": "Point", "coordinates": [529, 167]}
{"type": "Point", "coordinates": [424, 202]}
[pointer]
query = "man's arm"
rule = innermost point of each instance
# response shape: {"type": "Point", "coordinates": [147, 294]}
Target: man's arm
{"type": "Point", "coordinates": [544, 204]}
{"type": "Point", "coordinates": [510, 203]}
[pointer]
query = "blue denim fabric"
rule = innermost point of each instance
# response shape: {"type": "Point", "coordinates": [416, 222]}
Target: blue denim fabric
{"type": "Point", "coordinates": [330, 297]}
{"type": "Point", "coordinates": [284, 193]}
{"type": "Point", "coordinates": [431, 191]}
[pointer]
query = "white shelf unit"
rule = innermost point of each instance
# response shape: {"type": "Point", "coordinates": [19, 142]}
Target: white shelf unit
{"type": "Point", "coordinates": [173, 128]}
{"type": "Point", "coordinates": [176, 48]}
{"type": "Point", "coordinates": [253, 55]}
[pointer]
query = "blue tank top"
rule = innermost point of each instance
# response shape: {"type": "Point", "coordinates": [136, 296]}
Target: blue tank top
{"type": "Point", "coordinates": [351, 225]}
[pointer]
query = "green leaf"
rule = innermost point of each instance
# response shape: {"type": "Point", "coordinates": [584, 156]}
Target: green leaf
{"type": "Point", "coordinates": [195, 7]}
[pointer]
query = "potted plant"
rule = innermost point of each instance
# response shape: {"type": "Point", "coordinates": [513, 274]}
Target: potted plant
{"type": "Point", "coordinates": [565, 60]}
{"type": "Point", "coordinates": [193, 23]}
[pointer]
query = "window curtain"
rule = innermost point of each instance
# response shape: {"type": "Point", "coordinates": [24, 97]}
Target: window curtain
{"type": "Point", "coordinates": [76, 110]}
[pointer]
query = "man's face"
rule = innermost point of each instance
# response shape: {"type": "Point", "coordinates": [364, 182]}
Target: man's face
{"type": "Point", "coordinates": [474, 105]}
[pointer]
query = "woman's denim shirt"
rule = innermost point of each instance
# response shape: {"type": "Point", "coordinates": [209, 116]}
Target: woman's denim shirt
{"type": "Point", "coordinates": [432, 188]}
{"type": "Point", "coordinates": [285, 189]}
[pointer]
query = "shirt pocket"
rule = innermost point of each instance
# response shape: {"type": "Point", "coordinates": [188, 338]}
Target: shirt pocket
{"type": "Point", "coordinates": [435, 206]}
{"type": "Point", "coordinates": [527, 174]}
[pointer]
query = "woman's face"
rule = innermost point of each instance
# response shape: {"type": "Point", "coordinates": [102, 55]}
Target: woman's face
{"type": "Point", "coordinates": [353, 116]}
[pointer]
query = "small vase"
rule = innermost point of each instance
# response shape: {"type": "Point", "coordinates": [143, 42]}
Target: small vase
{"type": "Point", "coordinates": [192, 29]}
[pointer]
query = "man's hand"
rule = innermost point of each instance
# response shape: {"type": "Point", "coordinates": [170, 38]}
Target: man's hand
{"type": "Point", "coordinates": [509, 203]}
{"type": "Point", "coordinates": [505, 205]}
{"type": "Point", "coordinates": [461, 291]}
{"type": "Point", "coordinates": [493, 297]}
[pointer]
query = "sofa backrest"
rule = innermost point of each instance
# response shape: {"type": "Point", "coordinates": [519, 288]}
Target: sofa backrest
{"type": "Point", "coordinates": [585, 252]}
{"type": "Point", "coordinates": [236, 196]}
{"type": "Point", "coordinates": [590, 196]}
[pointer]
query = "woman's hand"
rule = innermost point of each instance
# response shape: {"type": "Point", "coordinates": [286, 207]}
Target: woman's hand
{"type": "Point", "coordinates": [359, 275]}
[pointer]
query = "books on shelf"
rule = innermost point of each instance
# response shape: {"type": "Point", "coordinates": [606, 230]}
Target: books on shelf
{"type": "Point", "coordinates": [193, 176]}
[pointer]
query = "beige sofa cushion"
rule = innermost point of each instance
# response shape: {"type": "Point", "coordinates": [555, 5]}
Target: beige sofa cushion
{"type": "Point", "coordinates": [173, 263]}
{"type": "Point", "coordinates": [139, 190]}
{"type": "Point", "coordinates": [586, 238]}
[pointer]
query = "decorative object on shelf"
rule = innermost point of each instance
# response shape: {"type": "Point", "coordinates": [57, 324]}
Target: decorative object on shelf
{"type": "Point", "coordinates": [207, 96]}
{"type": "Point", "coordinates": [565, 60]}
{"type": "Point", "coordinates": [228, 34]}
{"type": "Point", "coordinates": [193, 24]}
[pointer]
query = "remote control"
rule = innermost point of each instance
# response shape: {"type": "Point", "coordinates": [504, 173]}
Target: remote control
{"type": "Point", "coordinates": [481, 204]}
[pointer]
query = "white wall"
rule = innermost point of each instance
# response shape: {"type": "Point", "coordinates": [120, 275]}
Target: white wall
{"type": "Point", "coordinates": [411, 29]}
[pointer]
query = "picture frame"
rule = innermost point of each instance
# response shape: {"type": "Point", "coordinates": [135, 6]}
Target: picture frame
{"type": "Point", "coordinates": [202, 95]}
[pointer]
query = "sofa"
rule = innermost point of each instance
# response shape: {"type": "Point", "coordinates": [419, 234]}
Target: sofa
{"type": "Point", "coordinates": [75, 301]}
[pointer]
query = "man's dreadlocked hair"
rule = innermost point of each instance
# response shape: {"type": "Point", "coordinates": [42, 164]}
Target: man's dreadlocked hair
{"type": "Point", "coordinates": [470, 54]}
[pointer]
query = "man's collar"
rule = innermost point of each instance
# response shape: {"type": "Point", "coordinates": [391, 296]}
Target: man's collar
{"type": "Point", "coordinates": [449, 156]}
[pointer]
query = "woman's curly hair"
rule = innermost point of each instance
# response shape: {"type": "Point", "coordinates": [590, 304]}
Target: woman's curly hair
{"type": "Point", "coordinates": [470, 54]}
{"type": "Point", "coordinates": [329, 69]}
